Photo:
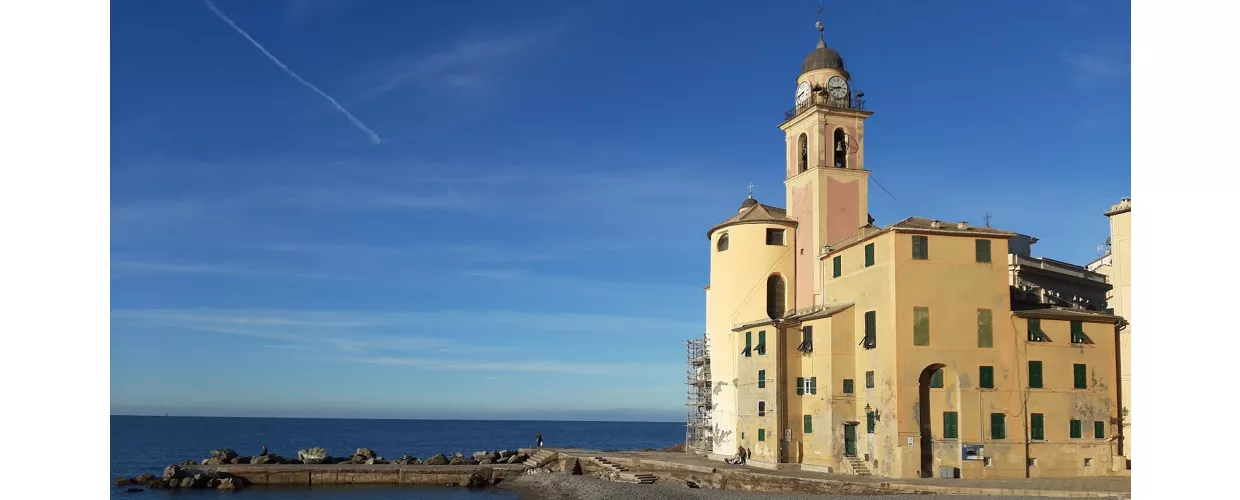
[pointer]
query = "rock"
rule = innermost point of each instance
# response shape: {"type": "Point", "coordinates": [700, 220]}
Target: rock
{"type": "Point", "coordinates": [675, 447]}
{"type": "Point", "coordinates": [457, 461]}
{"type": "Point", "coordinates": [365, 453]}
{"type": "Point", "coordinates": [507, 453]}
{"type": "Point", "coordinates": [156, 484]}
{"type": "Point", "coordinates": [479, 479]}
{"type": "Point", "coordinates": [458, 455]}
{"type": "Point", "coordinates": [215, 461]}
{"type": "Point", "coordinates": [188, 463]}
{"type": "Point", "coordinates": [229, 483]}
{"type": "Point", "coordinates": [120, 481]}
{"type": "Point", "coordinates": [171, 471]}
{"type": "Point", "coordinates": [576, 467]}
{"type": "Point", "coordinates": [312, 455]}
{"type": "Point", "coordinates": [200, 481]}
{"type": "Point", "coordinates": [174, 483]}
{"type": "Point", "coordinates": [415, 462]}
{"type": "Point", "coordinates": [437, 460]}
{"type": "Point", "coordinates": [224, 454]}
{"type": "Point", "coordinates": [213, 483]}
{"type": "Point", "coordinates": [261, 459]}
{"type": "Point", "coordinates": [146, 477]}
{"type": "Point", "coordinates": [513, 460]}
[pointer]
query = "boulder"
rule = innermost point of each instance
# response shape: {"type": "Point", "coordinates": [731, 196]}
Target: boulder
{"type": "Point", "coordinates": [507, 453]}
{"type": "Point", "coordinates": [172, 471]}
{"type": "Point", "coordinates": [229, 483]}
{"type": "Point", "coordinates": [156, 484]}
{"type": "Point", "coordinates": [120, 481]}
{"type": "Point", "coordinates": [199, 481]}
{"type": "Point", "coordinates": [458, 455]}
{"type": "Point", "coordinates": [261, 459]}
{"type": "Point", "coordinates": [146, 477]}
{"type": "Point", "coordinates": [314, 455]}
{"type": "Point", "coordinates": [514, 460]}
{"type": "Point", "coordinates": [216, 461]}
{"type": "Point", "coordinates": [365, 453]}
{"type": "Point", "coordinates": [479, 479]}
{"type": "Point", "coordinates": [437, 460]}
{"type": "Point", "coordinates": [675, 448]}
{"type": "Point", "coordinates": [224, 454]}
{"type": "Point", "coordinates": [213, 483]}
{"type": "Point", "coordinates": [457, 461]}
{"type": "Point", "coordinates": [415, 462]}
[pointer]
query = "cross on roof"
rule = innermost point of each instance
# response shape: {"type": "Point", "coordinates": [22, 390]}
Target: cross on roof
{"type": "Point", "coordinates": [751, 190]}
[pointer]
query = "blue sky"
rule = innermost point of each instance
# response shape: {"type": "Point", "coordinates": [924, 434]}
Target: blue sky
{"type": "Point", "coordinates": [527, 239]}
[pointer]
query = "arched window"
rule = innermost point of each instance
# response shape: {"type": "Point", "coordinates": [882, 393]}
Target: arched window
{"type": "Point", "coordinates": [841, 148]}
{"type": "Point", "coordinates": [803, 152]}
{"type": "Point", "coordinates": [775, 296]}
{"type": "Point", "coordinates": [723, 242]}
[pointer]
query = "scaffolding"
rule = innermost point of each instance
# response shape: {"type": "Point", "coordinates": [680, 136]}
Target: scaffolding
{"type": "Point", "coordinates": [697, 422]}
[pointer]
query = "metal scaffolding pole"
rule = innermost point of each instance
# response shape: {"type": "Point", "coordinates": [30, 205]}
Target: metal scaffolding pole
{"type": "Point", "coordinates": [697, 421]}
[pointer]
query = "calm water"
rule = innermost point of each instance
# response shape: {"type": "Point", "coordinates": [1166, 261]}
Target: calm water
{"type": "Point", "coordinates": [147, 444]}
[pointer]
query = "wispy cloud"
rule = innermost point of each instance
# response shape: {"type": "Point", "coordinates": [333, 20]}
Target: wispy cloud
{"type": "Point", "coordinates": [570, 368]}
{"type": "Point", "coordinates": [143, 267]}
{"type": "Point", "coordinates": [374, 137]}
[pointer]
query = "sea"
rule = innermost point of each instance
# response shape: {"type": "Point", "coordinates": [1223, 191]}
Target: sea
{"type": "Point", "coordinates": [149, 443]}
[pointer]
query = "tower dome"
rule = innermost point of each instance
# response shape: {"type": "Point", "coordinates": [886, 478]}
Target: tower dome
{"type": "Point", "coordinates": [823, 57]}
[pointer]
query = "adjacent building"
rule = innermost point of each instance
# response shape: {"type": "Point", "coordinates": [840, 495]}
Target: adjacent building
{"type": "Point", "coordinates": [922, 348]}
{"type": "Point", "coordinates": [1116, 265]}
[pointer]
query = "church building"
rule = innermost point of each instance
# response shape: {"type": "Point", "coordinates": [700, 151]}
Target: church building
{"type": "Point", "coordinates": [901, 351]}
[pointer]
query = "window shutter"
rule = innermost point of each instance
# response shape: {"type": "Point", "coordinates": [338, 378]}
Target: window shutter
{"type": "Point", "coordinates": [836, 267]}
{"type": "Point", "coordinates": [1078, 377]}
{"type": "Point", "coordinates": [800, 386]}
{"type": "Point", "coordinates": [998, 426]}
{"type": "Point", "coordinates": [748, 340]}
{"type": "Point", "coordinates": [869, 380]}
{"type": "Point", "coordinates": [869, 422]}
{"type": "Point", "coordinates": [921, 326]}
{"type": "Point", "coordinates": [986, 376]}
{"type": "Point", "coordinates": [871, 329]}
{"type": "Point", "coordinates": [1036, 430]}
{"type": "Point", "coordinates": [950, 425]}
{"type": "Point", "coordinates": [1035, 329]}
{"type": "Point", "coordinates": [985, 328]}
{"type": "Point", "coordinates": [761, 379]}
{"type": "Point", "coordinates": [813, 385]}
{"type": "Point", "coordinates": [936, 379]}
{"type": "Point", "coordinates": [1078, 332]}
{"type": "Point", "coordinates": [983, 250]}
{"type": "Point", "coordinates": [869, 255]}
{"type": "Point", "coordinates": [1100, 430]}
{"type": "Point", "coordinates": [848, 386]}
{"type": "Point", "coordinates": [761, 434]}
{"type": "Point", "coordinates": [919, 247]}
{"type": "Point", "coordinates": [1035, 374]}
{"type": "Point", "coordinates": [1074, 429]}
{"type": "Point", "coordinates": [809, 424]}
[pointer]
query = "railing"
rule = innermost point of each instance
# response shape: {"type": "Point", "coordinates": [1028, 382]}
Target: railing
{"type": "Point", "coordinates": [853, 101]}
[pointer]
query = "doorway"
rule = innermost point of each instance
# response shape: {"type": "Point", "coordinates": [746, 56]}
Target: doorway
{"type": "Point", "coordinates": [926, 433]}
{"type": "Point", "coordinates": [850, 440]}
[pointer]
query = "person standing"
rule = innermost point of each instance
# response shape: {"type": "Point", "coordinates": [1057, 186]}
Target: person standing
{"type": "Point", "coordinates": [538, 439]}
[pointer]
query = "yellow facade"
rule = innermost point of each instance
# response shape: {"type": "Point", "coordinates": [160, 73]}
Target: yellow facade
{"type": "Point", "coordinates": [895, 351]}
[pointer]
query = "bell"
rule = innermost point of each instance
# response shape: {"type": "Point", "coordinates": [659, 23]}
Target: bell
{"type": "Point", "coordinates": [839, 146]}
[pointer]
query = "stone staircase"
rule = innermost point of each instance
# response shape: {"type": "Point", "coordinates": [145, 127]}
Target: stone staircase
{"type": "Point", "coordinates": [859, 468]}
{"type": "Point", "coordinates": [540, 458]}
{"type": "Point", "coordinates": [624, 473]}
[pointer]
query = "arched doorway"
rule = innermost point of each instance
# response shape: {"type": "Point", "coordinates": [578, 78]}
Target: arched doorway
{"type": "Point", "coordinates": [926, 444]}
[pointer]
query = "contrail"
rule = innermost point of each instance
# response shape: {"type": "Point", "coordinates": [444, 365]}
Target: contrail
{"type": "Point", "coordinates": [358, 123]}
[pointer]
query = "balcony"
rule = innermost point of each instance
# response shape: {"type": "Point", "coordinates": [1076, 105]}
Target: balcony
{"type": "Point", "coordinates": [854, 101]}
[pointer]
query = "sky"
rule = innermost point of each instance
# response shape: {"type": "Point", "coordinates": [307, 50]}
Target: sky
{"type": "Point", "coordinates": [388, 209]}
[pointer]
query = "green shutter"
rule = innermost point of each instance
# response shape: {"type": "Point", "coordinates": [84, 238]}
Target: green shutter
{"type": "Point", "coordinates": [869, 255]}
{"type": "Point", "coordinates": [986, 376]}
{"type": "Point", "coordinates": [809, 424]}
{"type": "Point", "coordinates": [985, 328]}
{"type": "Point", "coordinates": [800, 386]}
{"type": "Point", "coordinates": [869, 380]}
{"type": "Point", "coordinates": [921, 326]}
{"type": "Point", "coordinates": [1074, 429]}
{"type": "Point", "coordinates": [921, 250]}
{"type": "Point", "coordinates": [1078, 332]}
{"type": "Point", "coordinates": [951, 425]}
{"type": "Point", "coordinates": [761, 434]}
{"type": "Point", "coordinates": [761, 379]}
{"type": "Point", "coordinates": [1035, 374]}
{"type": "Point", "coordinates": [848, 386]}
{"type": "Point", "coordinates": [936, 379]}
{"type": "Point", "coordinates": [998, 426]}
{"type": "Point", "coordinates": [871, 329]}
{"type": "Point", "coordinates": [813, 385]}
{"type": "Point", "coordinates": [1035, 427]}
{"type": "Point", "coordinates": [1100, 431]}
{"type": "Point", "coordinates": [983, 250]}
{"type": "Point", "coordinates": [869, 422]}
{"type": "Point", "coordinates": [748, 340]}
{"type": "Point", "coordinates": [1035, 329]}
{"type": "Point", "coordinates": [1078, 377]}
{"type": "Point", "coordinates": [837, 267]}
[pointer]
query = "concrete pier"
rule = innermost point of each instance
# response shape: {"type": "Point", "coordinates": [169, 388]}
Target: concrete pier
{"type": "Point", "coordinates": [340, 474]}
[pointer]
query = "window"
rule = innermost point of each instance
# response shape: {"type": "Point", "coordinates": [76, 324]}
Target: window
{"type": "Point", "coordinates": [869, 255]}
{"type": "Point", "coordinates": [809, 424]}
{"type": "Point", "coordinates": [983, 250]}
{"type": "Point", "coordinates": [837, 266]}
{"type": "Point", "coordinates": [1078, 332]}
{"type": "Point", "coordinates": [921, 326]}
{"type": "Point", "coordinates": [775, 237]}
{"type": "Point", "coordinates": [761, 342]}
{"type": "Point", "coordinates": [761, 379]}
{"type": "Point", "coordinates": [775, 296]}
{"type": "Point", "coordinates": [807, 339]}
{"type": "Point", "coordinates": [951, 425]}
{"type": "Point", "coordinates": [803, 151]}
{"type": "Point", "coordinates": [985, 328]}
{"type": "Point", "coordinates": [748, 344]}
{"type": "Point", "coordinates": [936, 379]}
{"type": "Point", "coordinates": [761, 408]}
{"type": "Point", "coordinates": [1036, 431]}
{"type": "Point", "coordinates": [848, 386]}
{"type": "Point", "coordinates": [871, 330]}
{"type": "Point", "coordinates": [841, 148]}
{"type": "Point", "coordinates": [723, 242]}
{"type": "Point", "coordinates": [761, 434]}
{"type": "Point", "coordinates": [870, 422]}
{"type": "Point", "coordinates": [1035, 374]}
{"type": "Point", "coordinates": [869, 380]}
{"type": "Point", "coordinates": [921, 247]}
{"type": "Point", "coordinates": [807, 386]}
{"type": "Point", "coordinates": [1074, 429]}
{"type": "Point", "coordinates": [986, 377]}
{"type": "Point", "coordinates": [1100, 430]}
{"type": "Point", "coordinates": [1035, 330]}
{"type": "Point", "coordinates": [1079, 379]}
{"type": "Point", "coordinates": [998, 426]}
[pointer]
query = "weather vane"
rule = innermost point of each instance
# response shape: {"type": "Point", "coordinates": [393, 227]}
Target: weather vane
{"type": "Point", "coordinates": [987, 217]}
{"type": "Point", "coordinates": [819, 23]}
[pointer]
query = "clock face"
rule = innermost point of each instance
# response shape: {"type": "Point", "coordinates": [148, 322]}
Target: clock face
{"type": "Point", "coordinates": [837, 87]}
{"type": "Point", "coordinates": [802, 92]}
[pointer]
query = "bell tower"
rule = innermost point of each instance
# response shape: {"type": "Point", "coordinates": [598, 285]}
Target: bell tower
{"type": "Point", "coordinates": [826, 180]}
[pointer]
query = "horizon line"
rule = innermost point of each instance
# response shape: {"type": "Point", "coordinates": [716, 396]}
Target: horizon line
{"type": "Point", "coordinates": [409, 418]}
